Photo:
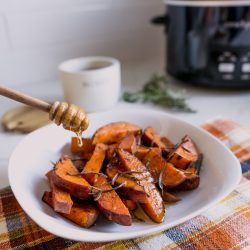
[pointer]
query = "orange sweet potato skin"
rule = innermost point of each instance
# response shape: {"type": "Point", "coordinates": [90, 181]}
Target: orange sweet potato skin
{"type": "Point", "coordinates": [81, 214]}
{"type": "Point", "coordinates": [75, 185]}
{"type": "Point", "coordinates": [185, 154]}
{"type": "Point", "coordinates": [156, 164]}
{"type": "Point", "coordinates": [153, 206]}
{"type": "Point", "coordinates": [61, 200]}
{"type": "Point", "coordinates": [85, 150]}
{"type": "Point", "coordinates": [95, 162]}
{"type": "Point", "coordinates": [131, 190]}
{"type": "Point", "coordinates": [128, 143]}
{"type": "Point", "coordinates": [110, 153]}
{"type": "Point", "coordinates": [111, 205]}
{"type": "Point", "coordinates": [172, 177]}
{"type": "Point", "coordinates": [151, 138]}
{"type": "Point", "coordinates": [190, 183]}
{"type": "Point", "coordinates": [131, 205]}
{"type": "Point", "coordinates": [114, 132]}
{"type": "Point", "coordinates": [142, 151]}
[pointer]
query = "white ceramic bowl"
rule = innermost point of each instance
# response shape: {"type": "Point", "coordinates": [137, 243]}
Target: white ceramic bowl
{"type": "Point", "coordinates": [30, 162]}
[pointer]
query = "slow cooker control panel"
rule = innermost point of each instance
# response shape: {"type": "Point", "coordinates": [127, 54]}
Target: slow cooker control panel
{"type": "Point", "coordinates": [231, 65]}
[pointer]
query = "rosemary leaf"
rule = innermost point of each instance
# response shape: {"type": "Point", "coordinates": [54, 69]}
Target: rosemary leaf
{"type": "Point", "coordinates": [101, 191]}
{"type": "Point", "coordinates": [82, 173]}
{"type": "Point", "coordinates": [157, 90]}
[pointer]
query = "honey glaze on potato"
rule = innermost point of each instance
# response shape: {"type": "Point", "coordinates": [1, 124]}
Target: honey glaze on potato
{"type": "Point", "coordinates": [120, 171]}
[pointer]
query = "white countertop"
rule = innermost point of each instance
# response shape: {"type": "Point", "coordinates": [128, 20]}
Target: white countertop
{"type": "Point", "coordinates": [208, 103]}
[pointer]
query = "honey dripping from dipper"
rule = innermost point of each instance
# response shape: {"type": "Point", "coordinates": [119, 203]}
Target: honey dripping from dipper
{"type": "Point", "coordinates": [71, 117]}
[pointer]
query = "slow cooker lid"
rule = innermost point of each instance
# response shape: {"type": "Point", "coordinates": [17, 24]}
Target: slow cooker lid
{"type": "Point", "coordinates": [206, 3]}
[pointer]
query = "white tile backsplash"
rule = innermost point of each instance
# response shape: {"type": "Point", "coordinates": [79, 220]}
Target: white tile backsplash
{"type": "Point", "coordinates": [4, 44]}
{"type": "Point", "coordinates": [39, 36]}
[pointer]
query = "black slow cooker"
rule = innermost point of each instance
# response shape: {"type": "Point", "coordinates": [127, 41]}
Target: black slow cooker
{"type": "Point", "coordinates": [208, 42]}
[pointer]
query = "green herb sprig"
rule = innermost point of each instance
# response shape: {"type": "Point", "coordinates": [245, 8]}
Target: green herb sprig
{"type": "Point", "coordinates": [157, 91]}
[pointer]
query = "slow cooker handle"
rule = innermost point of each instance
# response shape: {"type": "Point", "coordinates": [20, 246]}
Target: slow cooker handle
{"type": "Point", "coordinates": [161, 20]}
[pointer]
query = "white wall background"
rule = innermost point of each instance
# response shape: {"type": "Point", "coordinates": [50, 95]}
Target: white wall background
{"type": "Point", "coordinates": [36, 35]}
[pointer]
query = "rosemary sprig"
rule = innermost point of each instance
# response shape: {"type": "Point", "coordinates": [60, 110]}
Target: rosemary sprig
{"type": "Point", "coordinates": [101, 191]}
{"type": "Point", "coordinates": [82, 173]}
{"type": "Point", "coordinates": [127, 174]}
{"type": "Point", "coordinates": [157, 91]}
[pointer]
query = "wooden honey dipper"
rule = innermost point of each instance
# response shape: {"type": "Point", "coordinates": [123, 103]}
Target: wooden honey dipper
{"type": "Point", "coordinates": [70, 116]}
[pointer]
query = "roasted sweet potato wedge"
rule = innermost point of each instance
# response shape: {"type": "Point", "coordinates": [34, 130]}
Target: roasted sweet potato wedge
{"type": "Point", "coordinates": [151, 138]}
{"type": "Point", "coordinates": [110, 153]}
{"type": "Point", "coordinates": [154, 206]}
{"type": "Point", "coordinates": [85, 150]}
{"type": "Point", "coordinates": [114, 132]}
{"type": "Point", "coordinates": [128, 143]}
{"type": "Point", "coordinates": [94, 164]}
{"type": "Point", "coordinates": [158, 166]}
{"type": "Point", "coordinates": [110, 204]}
{"type": "Point", "coordinates": [81, 214]}
{"type": "Point", "coordinates": [131, 189]}
{"type": "Point", "coordinates": [75, 185]}
{"type": "Point", "coordinates": [169, 144]}
{"type": "Point", "coordinates": [195, 167]}
{"type": "Point", "coordinates": [191, 182]}
{"type": "Point", "coordinates": [141, 151]}
{"type": "Point", "coordinates": [168, 197]}
{"type": "Point", "coordinates": [154, 162]}
{"type": "Point", "coordinates": [79, 164]}
{"type": "Point", "coordinates": [61, 200]}
{"type": "Point", "coordinates": [171, 176]}
{"type": "Point", "coordinates": [185, 154]}
{"type": "Point", "coordinates": [131, 205]}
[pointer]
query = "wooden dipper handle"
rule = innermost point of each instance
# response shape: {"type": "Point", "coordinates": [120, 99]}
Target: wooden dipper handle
{"type": "Point", "coordinates": [70, 116]}
{"type": "Point", "coordinates": [20, 97]}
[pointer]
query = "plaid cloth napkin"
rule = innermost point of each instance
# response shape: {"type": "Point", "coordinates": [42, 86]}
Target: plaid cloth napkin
{"type": "Point", "coordinates": [224, 226]}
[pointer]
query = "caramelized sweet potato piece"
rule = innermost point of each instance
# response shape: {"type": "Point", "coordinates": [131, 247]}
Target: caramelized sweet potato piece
{"type": "Point", "coordinates": [85, 150]}
{"type": "Point", "coordinates": [191, 182]}
{"type": "Point", "coordinates": [131, 205]}
{"type": "Point", "coordinates": [81, 214]}
{"type": "Point", "coordinates": [171, 176]}
{"type": "Point", "coordinates": [95, 162]}
{"type": "Point", "coordinates": [142, 151]}
{"type": "Point", "coordinates": [154, 206]}
{"type": "Point", "coordinates": [169, 144]}
{"type": "Point", "coordinates": [75, 185]}
{"type": "Point", "coordinates": [168, 197]}
{"type": "Point", "coordinates": [154, 162]}
{"type": "Point", "coordinates": [79, 164]}
{"type": "Point", "coordinates": [114, 132]}
{"type": "Point", "coordinates": [131, 189]}
{"type": "Point", "coordinates": [151, 138]}
{"type": "Point", "coordinates": [195, 167]}
{"type": "Point", "coordinates": [110, 204]}
{"type": "Point", "coordinates": [111, 151]}
{"type": "Point", "coordinates": [185, 154]}
{"type": "Point", "coordinates": [128, 143]}
{"type": "Point", "coordinates": [61, 200]}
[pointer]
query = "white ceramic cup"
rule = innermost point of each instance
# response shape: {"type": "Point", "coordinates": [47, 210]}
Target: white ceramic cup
{"type": "Point", "coordinates": [92, 83]}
